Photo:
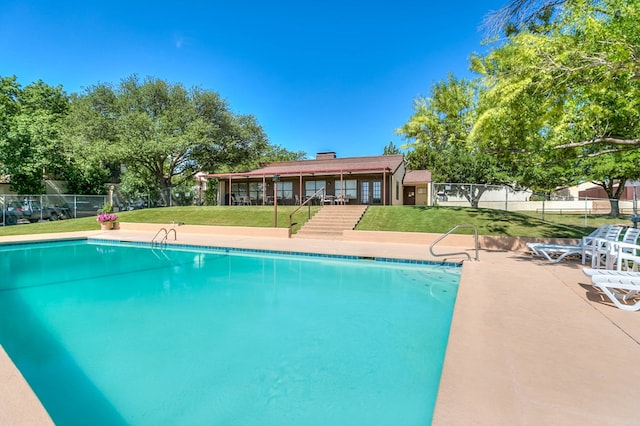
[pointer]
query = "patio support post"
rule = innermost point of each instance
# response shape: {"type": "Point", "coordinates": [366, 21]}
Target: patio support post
{"type": "Point", "coordinates": [276, 178]}
{"type": "Point", "coordinates": [229, 192]}
{"type": "Point", "coordinates": [384, 187]}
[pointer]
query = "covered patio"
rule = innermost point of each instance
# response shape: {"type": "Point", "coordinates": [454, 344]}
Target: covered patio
{"type": "Point", "coordinates": [325, 180]}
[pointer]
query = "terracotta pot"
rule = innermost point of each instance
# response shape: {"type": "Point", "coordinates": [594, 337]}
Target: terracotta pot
{"type": "Point", "coordinates": [105, 226]}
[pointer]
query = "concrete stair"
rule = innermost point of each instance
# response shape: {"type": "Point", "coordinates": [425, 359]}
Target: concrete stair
{"type": "Point", "coordinates": [330, 221]}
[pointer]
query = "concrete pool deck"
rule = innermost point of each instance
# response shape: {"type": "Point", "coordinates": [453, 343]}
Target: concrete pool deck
{"type": "Point", "coordinates": [531, 342]}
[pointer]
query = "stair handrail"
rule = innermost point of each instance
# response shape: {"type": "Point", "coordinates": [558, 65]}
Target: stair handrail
{"type": "Point", "coordinates": [442, 237]}
{"type": "Point", "coordinates": [307, 203]}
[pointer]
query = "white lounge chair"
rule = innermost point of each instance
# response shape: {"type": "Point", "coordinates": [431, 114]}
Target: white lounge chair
{"type": "Point", "coordinates": [601, 247]}
{"type": "Point", "coordinates": [622, 289]}
{"type": "Point", "coordinates": [621, 286]}
{"type": "Point", "coordinates": [557, 252]}
{"type": "Point", "coordinates": [620, 255]}
{"type": "Point", "coordinates": [622, 259]}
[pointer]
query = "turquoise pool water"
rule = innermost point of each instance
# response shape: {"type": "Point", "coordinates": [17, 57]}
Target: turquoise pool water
{"type": "Point", "coordinates": [125, 334]}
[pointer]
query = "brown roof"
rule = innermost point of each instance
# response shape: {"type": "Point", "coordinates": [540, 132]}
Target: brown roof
{"type": "Point", "coordinates": [417, 176]}
{"type": "Point", "coordinates": [328, 166]}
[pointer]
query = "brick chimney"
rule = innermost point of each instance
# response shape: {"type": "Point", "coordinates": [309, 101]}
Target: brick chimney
{"type": "Point", "coordinates": [325, 155]}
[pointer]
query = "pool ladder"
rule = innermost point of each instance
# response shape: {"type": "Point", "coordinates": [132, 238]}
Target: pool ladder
{"type": "Point", "coordinates": [465, 225]}
{"type": "Point", "coordinates": [164, 233]}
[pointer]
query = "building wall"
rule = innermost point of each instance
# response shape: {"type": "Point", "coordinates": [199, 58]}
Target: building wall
{"type": "Point", "coordinates": [598, 192]}
{"type": "Point", "coordinates": [396, 190]}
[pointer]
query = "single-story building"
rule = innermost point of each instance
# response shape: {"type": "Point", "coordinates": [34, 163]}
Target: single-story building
{"type": "Point", "coordinates": [374, 180]}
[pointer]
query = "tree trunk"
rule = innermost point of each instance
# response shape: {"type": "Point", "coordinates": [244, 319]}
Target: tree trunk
{"type": "Point", "coordinates": [615, 207]}
{"type": "Point", "coordinates": [477, 194]}
{"type": "Point", "coordinates": [614, 196]}
{"type": "Point", "coordinates": [165, 191]}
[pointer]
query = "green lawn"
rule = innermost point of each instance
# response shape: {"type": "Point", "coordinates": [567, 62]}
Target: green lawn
{"type": "Point", "coordinates": [489, 222]}
{"type": "Point", "coordinates": [377, 218]}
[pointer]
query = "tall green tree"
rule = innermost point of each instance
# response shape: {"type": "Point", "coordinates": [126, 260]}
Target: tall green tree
{"type": "Point", "coordinates": [31, 146]}
{"type": "Point", "coordinates": [569, 95]}
{"type": "Point", "coordinates": [162, 133]}
{"type": "Point", "coordinates": [9, 107]}
{"type": "Point", "coordinates": [391, 149]}
{"type": "Point", "coordinates": [276, 153]}
{"type": "Point", "coordinates": [439, 132]}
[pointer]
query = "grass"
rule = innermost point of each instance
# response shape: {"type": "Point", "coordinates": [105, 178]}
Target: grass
{"type": "Point", "coordinates": [377, 218]}
{"type": "Point", "coordinates": [489, 222]}
{"type": "Point", "coordinates": [253, 216]}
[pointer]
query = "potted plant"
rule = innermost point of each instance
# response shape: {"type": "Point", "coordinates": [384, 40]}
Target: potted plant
{"type": "Point", "coordinates": [107, 208]}
{"type": "Point", "coordinates": [107, 220]}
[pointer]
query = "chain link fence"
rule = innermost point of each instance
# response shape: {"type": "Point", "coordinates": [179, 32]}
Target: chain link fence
{"type": "Point", "coordinates": [30, 208]}
{"type": "Point", "coordinates": [548, 207]}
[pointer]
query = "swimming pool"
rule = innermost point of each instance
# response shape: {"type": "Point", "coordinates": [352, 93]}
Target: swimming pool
{"type": "Point", "coordinates": [127, 334]}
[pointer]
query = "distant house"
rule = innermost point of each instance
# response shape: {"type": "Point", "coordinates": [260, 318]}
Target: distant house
{"type": "Point", "coordinates": [374, 180]}
{"type": "Point", "coordinates": [597, 192]}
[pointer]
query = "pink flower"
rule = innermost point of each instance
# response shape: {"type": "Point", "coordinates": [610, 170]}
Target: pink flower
{"type": "Point", "coordinates": [107, 217]}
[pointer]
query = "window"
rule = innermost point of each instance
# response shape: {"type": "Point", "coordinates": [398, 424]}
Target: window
{"type": "Point", "coordinates": [350, 189]}
{"type": "Point", "coordinates": [285, 190]}
{"type": "Point", "coordinates": [312, 186]}
{"type": "Point", "coordinates": [239, 189]}
{"type": "Point", "coordinates": [397, 190]}
{"type": "Point", "coordinates": [255, 192]}
{"type": "Point", "coordinates": [252, 190]}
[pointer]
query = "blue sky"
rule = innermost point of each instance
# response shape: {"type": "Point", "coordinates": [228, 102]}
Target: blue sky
{"type": "Point", "coordinates": [318, 76]}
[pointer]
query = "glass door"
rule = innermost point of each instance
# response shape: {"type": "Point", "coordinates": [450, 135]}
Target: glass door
{"type": "Point", "coordinates": [371, 192]}
{"type": "Point", "coordinates": [364, 193]}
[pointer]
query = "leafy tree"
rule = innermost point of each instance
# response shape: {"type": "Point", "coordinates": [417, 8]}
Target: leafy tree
{"type": "Point", "coordinates": [163, 133]}
{"type": "Point", "coordinates": [211, 192]}
{"type": "Point", "coordinates": [278, 153]}
{"type": "Point", "coordinates": [9, 107]}
{"type": "Point", "coordinates": [440, 130]}
{"type": "Point", "coordinates": [31, 146]}
{"type": "Point", "coordinates": [519, 14]}
{"type": "Point", "coordinates": [86, 177]}
{"type": "Point", "coordinates": [391, 149]}
{"type": "Point", "coordinates": [569, 95]}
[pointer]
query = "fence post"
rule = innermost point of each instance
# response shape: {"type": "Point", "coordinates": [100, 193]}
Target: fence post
{"type": "Point", "coordinates": [586, 211]}
{"type": "Point", "coordinates": [506, 198]}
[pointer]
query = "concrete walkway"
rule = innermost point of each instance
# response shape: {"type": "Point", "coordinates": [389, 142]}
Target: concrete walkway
{"type": "Point", "coordinates": [531, 342]}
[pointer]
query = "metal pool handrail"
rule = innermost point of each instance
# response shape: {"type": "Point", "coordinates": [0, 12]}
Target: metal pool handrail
{"type": "Point", "coordinates": [442, 237]}
{"type": "Point", "coordinates": [165, 236]}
